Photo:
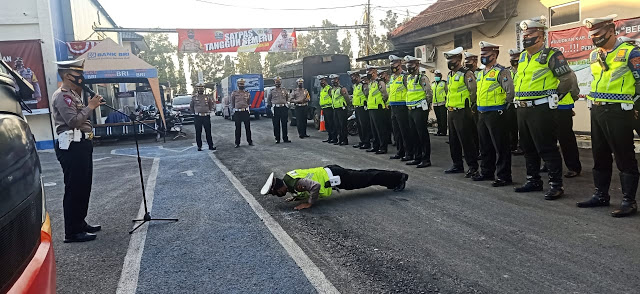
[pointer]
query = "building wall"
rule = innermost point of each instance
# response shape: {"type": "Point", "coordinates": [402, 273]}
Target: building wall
{"type": "Point", "coordinates": [86, 16]}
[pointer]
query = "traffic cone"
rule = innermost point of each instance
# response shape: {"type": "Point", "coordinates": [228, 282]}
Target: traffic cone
{"type": "Point", "coordinates": [322, 128]}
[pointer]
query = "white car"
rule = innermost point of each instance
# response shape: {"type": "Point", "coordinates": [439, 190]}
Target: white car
{"type": "Point", "coordinates": [182, 104]}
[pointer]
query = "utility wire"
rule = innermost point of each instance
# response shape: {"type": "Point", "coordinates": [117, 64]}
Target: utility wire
{"type": "Point", "coordinates": [278, 9]}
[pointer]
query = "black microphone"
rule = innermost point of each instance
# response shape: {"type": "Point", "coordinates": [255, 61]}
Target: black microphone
{"type": "Point", "coordinates": [91, 93]}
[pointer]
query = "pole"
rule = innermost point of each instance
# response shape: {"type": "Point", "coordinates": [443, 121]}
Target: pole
{"type": "Point", "coordinates": [368, 25]}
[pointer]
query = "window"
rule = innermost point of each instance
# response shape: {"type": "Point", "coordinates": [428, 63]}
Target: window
{"type": "Point", "coordinates": [462, 40]}
{"type": "Point", "coordinates": [565, 13]}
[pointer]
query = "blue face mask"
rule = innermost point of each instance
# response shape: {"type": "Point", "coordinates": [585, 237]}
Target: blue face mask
{"type": "Point", "coordinates": [437, 79]}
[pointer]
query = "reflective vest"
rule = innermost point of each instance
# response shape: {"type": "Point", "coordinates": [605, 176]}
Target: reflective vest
{"type": "Point", "coordinates": [375, 96]}
{"type": "Point", "coordinates": [415, 92]}
{"type": "Point", "coordinates": [458, 92]}
{"type": "Point", "coordinates": [535, 80]}
{"type": "Point", "coordinates": [325, 98]}
{"type": "Point", "coordinates": [439, 93]}
{"type": "Point", "coordinates": [491, 96]}
{"type": "Point", "coordinates": [358, 96]}
{"type": "Point", "coordinates": [616, 84]}
{"type": "Point", "coordinates": [338, 99]}
{"type": "Point", "coordinates": [318, 174]}
{"type": "Point", "coordinates": [397, 91]}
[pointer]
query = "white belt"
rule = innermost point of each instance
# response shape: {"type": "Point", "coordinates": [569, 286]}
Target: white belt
{"type": "Point", "coordinates": [279, 105]}
{"type": "Point", "coordinates": [302, 104]}
{"type": "Point", "coordinates": [333, 180]}
{"type": "Point", "coordinates": [241, 109]}
{"type": "Point", "coordinates": [439, 103]}
{"type": "Point", "coordinates": [204, 114]}
{"type": "Point", "coordinates": [531, 103]}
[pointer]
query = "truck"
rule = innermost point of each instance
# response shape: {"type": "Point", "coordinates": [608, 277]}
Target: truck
{"type": "Point", "coordinates": [254, 83]}
{"type": "Point", "coordinates": [309, 68]}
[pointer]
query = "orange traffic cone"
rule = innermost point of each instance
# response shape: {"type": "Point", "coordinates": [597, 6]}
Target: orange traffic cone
{"type": "Point", "coordinates": [322, 128]}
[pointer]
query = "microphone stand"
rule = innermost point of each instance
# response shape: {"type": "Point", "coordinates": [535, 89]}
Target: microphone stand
{"type": "Point", "coordinates": [147, 215]}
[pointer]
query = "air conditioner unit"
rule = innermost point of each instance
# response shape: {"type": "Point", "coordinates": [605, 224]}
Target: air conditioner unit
{"type": "Point", "coordinates": [425, 53]}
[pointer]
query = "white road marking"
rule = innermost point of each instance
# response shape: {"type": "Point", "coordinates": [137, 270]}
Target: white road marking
{"type": "Point", "coordinates": [179, 151]}
{"type": "Point", "coordinates": [50, 184]}
{"type": "Point", "coordinates": [313, 273]}
{"type": "Point", "coordinates": [115, 152]}
{"type": "Point", "coordinates": [101, 159]}
{"type": "Point", "coordinates": [189, 173]}
{"type": "Point", "coordinates": [128, 283]}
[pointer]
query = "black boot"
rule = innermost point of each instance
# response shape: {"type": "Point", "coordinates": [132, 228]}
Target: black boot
{"type": "Point", "coordinates": [472, 172]}
{"type": "Point", "coordinates": [365, 146]}
{"type": "Point", "coordinates": [454, 170]}
{"type": "Point", "coordinates": [628, 206]}
{"type": "Point", "coordinates": [414, 162]}
{"type": "Point", "coordinates": [407, 158]}
{"type": "Point", "coordinates": [600, 197]}
{"type": "Point", "coordinates": [530, 186]}
{"type": "Point", "coordinates": [555, 192]}
{"type": "Point", "coordinates": [424, 163]}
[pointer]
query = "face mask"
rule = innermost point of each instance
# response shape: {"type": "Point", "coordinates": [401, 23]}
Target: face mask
{"type": "Point", "coordinates": [600, 41]}
{"type": "Point", "coordinates": [486, 60]}
{"type": "Point", "coordinates": [514, 62]}
{"type": "Point", "coordinates": [369, 76]}
{"type": "Point", "coordinates": [412, 69]}
{"type": "Point", "coordinates": [528, 42]}
{"type": "Point", "coordinates": [396, 69]}
{"type": "Point", "coordinates": [354, 81]}
{"type": "Point", "coordinates": [300, 86]}
{"type": "Point", "coordinates": [322, 84]}
{"type": "Point", "coordinates": [437, 79]}
{"type": "Point", "coordinates": [452, 65]}
{"type": "Point", "coordinates": [200, 91]}
{"type": "Point", "coordinates": [78, 80]}
{"type": "Point", "coordinates": [278, 85]}
{"type": "Point", "coordinates": [241, 87]}
{"type": "Point", "coordinates": [335, 83]}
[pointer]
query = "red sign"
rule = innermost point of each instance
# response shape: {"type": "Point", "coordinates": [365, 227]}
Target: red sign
{"type": "Point", "coordinates": [25, 57]}
{"type": "Point", "coordinates": [236, 40]}
{"type": "Point", "coordinates": [78, 48]}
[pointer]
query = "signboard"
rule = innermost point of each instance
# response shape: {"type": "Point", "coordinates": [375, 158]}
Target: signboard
{"type": "Point", "coordinates": [576, 46]}
{"type": "Point", "coordinates": [25, 57]}
{"type": "Point", "coordinates": [236, 40]}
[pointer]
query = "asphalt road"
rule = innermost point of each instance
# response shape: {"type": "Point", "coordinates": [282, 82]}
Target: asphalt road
{"type": "Point", "coordinates": [444, 233]}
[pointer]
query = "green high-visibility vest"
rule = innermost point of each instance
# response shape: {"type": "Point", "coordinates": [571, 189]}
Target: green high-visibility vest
{"type": "Point", "coordinates": [415, 92]}
{"type": "Point", "coordinates": [338, 99]}
{"type": "Point", "coordinates": [616, 84]}
{"type": "Point", "coordinates": [359, 99]}
{"type": "Point", "coordinates": [397, 91]}
{"type": "Point", "coordinates": [439, 93]}
{"type": "Point", "coordinates": [491, 96]}
{"type": "Point", "coordinates": [318, 174]}
{"type": "Point", "coordinates": [535, 80]}
{"type": "Point", "coordinates": [458, 92]}
{"type": "Point", "coordinates": [325, 97]}
{"type": "Point", "coordinates": [375, 96]}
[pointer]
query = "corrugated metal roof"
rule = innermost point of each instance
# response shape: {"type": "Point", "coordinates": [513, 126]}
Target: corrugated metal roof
{"type": "Point", "coordinates": [442, 11]}
{"type": "Point", "coordinates": [128, 36]}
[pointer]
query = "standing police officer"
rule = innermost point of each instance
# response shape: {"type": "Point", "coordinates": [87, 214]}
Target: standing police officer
{"type": "Point", "coordinates": [240, 100]}
{"type": "Point", "coordinates": [615, 67]}
{"type": "Point", "coordinates": [439, 90]}
{"type": "Point", "coordinates": [277, 99]}
{"type": "Point", "coordinates": [512, 113]}
{"type": "Point", "coordinates": [359, 101]}
{"type": "Point", "coordinates": [543, 77]}
{"type": "Point", "coordinates": [461, 97]}
{"type": "Point", "coordinates": [419, 98]}
{"type": "Point", "coordinates": [326, 104]}
{"type": "Point", "coordinates": [74, 149]}
{"type": "Point", "coordinates": [300, 98]}
{"type": "Point", "coordinates": [201, 106]}
{"type": "Point", "coordinates": [341, 99]}
{"type": "Point", "coordinates": [403, 134]}
{"type": "Point", "coordinates": [471, 63]}
{"type": "Point", "coordinates": [495, 95]}
{"type": "Point", "coordinates": [376, 105]}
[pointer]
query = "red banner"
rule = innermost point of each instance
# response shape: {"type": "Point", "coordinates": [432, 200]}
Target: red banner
{"type": "Point", "coordinates": [78, 48]}
{"type": "Point", "coordinates": [236, 40]}
{"type": "Point", "coordinates": [25, 57]}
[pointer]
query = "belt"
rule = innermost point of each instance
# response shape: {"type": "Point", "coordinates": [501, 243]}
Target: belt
{"type": "Point", "coordinates": [279, 105]}
{"type": "Point", "coordinates": [414, 107]}
{"type": "Point", "coordinates": [241, 109]}
{"type": "Point", "coordinates": [439, 103]}
{"type": "Point", "coordinates": [536, 93]}
{"type": "Point", "coordinates": [302, 104]}
{"type": "Point", "coordinates": [532, 103]}
{"type": "Point", "coordinates": [359, 106]}
{"type": "Point", "coordinates": [454, 108]}
{"type": "Point", "coordinates": [203, 114]}
{"type": "Point", "coordinates": [87, 136]}
{"type": "Point", "coordinates": [602, 103]}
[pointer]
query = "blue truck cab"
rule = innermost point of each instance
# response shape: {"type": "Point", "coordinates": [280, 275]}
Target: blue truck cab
{"type": "Point", "coordinates": [254, 83]}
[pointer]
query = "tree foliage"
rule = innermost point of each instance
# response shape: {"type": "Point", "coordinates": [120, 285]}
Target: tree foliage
{"type": "Point", "coordinates": [160, 54]}
{"type": "Point", "coordinates": [249, 62]}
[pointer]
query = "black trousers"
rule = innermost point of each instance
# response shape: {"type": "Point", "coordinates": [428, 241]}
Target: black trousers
{"type": "Point", "coordinates": [280, 119]}
{"type": "Point", "coordinates": [329, 122]}
{"type": "Point", "coordinates": [461, 130]}
{"type": "Point", "coordinates": [364, 125]}
{"type": "Point", "coordinates": [404, 135]}
{"type": "Point", "coordinates": [200, 122]}
{"type": "Point", "coordinates": [567, 139]}
{"type": "Point", "coordinates": [612, 133]}
{"type": "Point", "coordinates": [340, 116]}
{"type": "Point", "coordinates": [474, 115]}
{"type": "Point", "coordinates": [494, 144]}
{"type": "Point", "coordinates": [301, 120]}
{"type": "Point", "coordinates": [538, 139]}
{"type": "Point", "coordinates": [242, 117]}
{"type": "Point", "coordinates": [381, 125]}
{"type": "Point", "coordinates": [441, 118]}
{"type": "Point", "coordinates": [418, 122]}
{"type": "Point", "coordinates": [351, 179]}
{"type": "Point", "coordinates": [512, 127]}
{"type": "Point", "coordinates": [77, 167]}
{"type": "Point", "coordinates": [636, 120]}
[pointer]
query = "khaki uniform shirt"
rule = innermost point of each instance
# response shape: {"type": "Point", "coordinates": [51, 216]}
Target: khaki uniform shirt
{"type": "Point", "coordinates": [300, 96]}
{"type": "Point", "coordinates": [277, 96]}
{"type": "Point", "coordinates": [69, 112]}
{"type": "Point", "coordinates": [201, 104]}
{"type": "Point", "coordinates": [240, 99]}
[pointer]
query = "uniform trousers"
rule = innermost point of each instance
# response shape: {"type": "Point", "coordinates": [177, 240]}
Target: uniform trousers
{"type": "Point", "coordinates": [279, 120]}
{"type": "Point", "coordinates": [441, 118]}
{"type": "Point", "coordinates": [538, 139]}
{"type": "Point", "coordinates": [567, 139]}
{"type": "Point", "coordinates": [77, 167]}
{"type": "Point", "coordinates": [461, 130]}
{"type": "Point", "coordinates": [329, 122]}
{"type": "Point", "coordinates": [340, 116]}
{"type": "Point", "coordinates": [512, 128]}
{"type": "Point", "coordinates": [494, 144]}
{"type": "Point", "coordinates": [380, 124]}
{"type": "Point", "coordinates": [199, 123]}
{"type": "Point", "coordinates": [418, 123]}
{"type": "Point", "coordinates": [364, 125]}
{"type": "Point", "coordinates": [612, 133]}
{"type": "Point", "coordinates": [240, 117]}
{"type": "Point", "coordinates": [403, 134]}
{"type": "Point", "coordinates": [301, 120]}
{"type": "Point", "coordinates": [351, 179]}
